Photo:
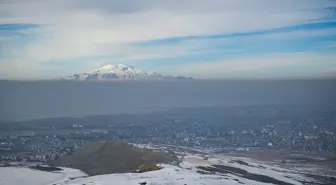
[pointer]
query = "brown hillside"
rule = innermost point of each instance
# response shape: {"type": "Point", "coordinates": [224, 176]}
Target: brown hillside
{"type": "Point", "coordinates": [112, 157]}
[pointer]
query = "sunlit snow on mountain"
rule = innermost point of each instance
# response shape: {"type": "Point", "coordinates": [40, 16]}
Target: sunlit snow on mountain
{"type": "Point", "coordinates": [122, 72]}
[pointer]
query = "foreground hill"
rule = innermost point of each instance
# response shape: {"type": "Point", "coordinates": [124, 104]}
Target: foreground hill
{"type": "Point", "coordinates": [113, 157]}
{"type": "Point", "coordinates": [193, 169]}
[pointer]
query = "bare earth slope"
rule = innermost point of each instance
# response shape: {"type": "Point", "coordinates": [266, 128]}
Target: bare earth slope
{"type": "Point", "coordinates": [112, 157]}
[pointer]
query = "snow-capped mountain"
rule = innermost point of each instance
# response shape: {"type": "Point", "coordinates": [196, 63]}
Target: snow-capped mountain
{"type": "Point", "coordinates": [122, 72]}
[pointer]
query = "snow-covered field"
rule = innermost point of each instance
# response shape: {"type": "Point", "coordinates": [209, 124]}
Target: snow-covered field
{"type": "Point", "coordinates": [186, 173]}
{"type": "Point", "coordinates": [27, 176]}
{"type": "Point", "coordinates": [250, 165]}
{"type": "Point", "coordinates": [169, 175]}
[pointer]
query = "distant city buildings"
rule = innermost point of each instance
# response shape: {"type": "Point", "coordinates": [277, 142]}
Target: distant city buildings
{"type": "Point", "coordinates": [235, 130]}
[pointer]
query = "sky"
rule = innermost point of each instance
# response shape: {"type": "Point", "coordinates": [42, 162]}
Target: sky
{"type": "Point", "coordinates": [213, 39]}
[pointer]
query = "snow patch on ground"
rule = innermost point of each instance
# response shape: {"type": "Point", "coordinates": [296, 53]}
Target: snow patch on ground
{"type": "Point", "coordinates": [193, 161]}
{"type": "Point", "coordinates": [169, 175]}
{"type": "Point", "coordinates": [186, 173]}
{"type": "Point", "coordinates": [252, 166]}
{"type": "Point", "coordinates": [27, 176]}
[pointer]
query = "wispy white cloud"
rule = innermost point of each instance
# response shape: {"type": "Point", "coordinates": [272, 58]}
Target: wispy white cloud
{"type": "Point", "coordinates": [301, 34]}
{"type": "Point", "coordinates": [78, 29]}
{"type": "Point", "coordinates": [264, 66]}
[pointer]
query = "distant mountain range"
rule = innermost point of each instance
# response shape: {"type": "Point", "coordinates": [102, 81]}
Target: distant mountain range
{"type": "Point", "coordinates": [122, 72]}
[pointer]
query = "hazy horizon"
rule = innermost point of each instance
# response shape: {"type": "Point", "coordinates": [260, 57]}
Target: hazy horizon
{"type": "Point", "coordinates": [44, 99]}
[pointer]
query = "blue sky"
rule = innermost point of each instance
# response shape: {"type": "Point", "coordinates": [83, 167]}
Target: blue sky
{"type": "Point", "coordinates": [216, 39]}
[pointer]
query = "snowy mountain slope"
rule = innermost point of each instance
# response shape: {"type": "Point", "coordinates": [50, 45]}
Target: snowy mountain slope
{"type": "Point", "coordinates": [194, 168]}
{"type": "Point", "coordinates": [188, 172]}
{"type": "Point", "coordinates": [121, 71]}
{"type": "Point", "coordinates": [169, 175]}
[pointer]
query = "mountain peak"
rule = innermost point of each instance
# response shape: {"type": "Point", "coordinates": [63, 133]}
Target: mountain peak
{"type": "Point", "coordinates": [113, 67]}
{"type": "Point", "coordinates": [109, 66]}
{"type": "Point", "coordinates": [122, 71]}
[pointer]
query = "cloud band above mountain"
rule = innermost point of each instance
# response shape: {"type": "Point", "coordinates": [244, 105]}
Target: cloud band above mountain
{"type": "Point", "coordinates": [46, 39]}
